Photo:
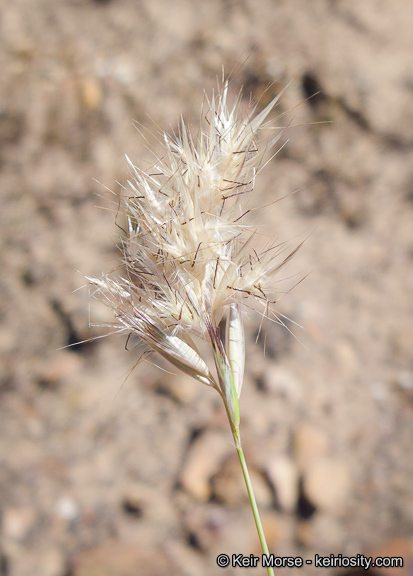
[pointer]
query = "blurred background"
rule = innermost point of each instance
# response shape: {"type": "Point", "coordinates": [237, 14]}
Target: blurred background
{"type": "Point", "coordinates": [113, 475]}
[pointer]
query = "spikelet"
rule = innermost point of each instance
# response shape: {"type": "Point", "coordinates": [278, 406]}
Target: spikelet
{"type": "Point", "coordinates": [188, 256]}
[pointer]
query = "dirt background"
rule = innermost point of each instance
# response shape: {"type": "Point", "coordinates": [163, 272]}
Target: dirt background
{"type": "Point", "coordinates": [103, 475]}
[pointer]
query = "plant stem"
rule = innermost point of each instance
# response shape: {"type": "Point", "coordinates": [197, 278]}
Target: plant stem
{"type": "Point", "coordinates": [253, 502]}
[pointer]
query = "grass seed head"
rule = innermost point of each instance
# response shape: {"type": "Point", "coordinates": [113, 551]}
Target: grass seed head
{"type": "Point", "coordinates": [188, 255]}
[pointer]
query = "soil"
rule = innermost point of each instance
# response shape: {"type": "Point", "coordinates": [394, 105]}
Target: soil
{"type": "Point", "coordinates": [112, 470]}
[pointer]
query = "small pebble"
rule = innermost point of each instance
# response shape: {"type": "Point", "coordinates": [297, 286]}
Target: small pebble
{"type": "Point", "coordinates": [67, 508]}
{"type": "Point", "coordinates": [17, 522]}
{"type": "Point", "coordinates": [283, 476]}
{"type": "Point", "coordinates": [310, 444]}
{"type": "Point", "coordinates": [204, 460]}
{"type": "Point", "coordinates": [327, 485]}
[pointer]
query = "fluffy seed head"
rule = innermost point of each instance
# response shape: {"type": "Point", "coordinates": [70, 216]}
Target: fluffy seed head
{"type": "Point", "coordinates": [188, 255]}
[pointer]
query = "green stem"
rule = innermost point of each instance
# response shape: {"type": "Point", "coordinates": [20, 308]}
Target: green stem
{"type": "Point", "coordinates": [253, 502]}
{"type": "Point", "coordinates": [229, 394]}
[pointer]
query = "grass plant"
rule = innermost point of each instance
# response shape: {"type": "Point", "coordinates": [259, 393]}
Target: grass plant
{"type": "Point", "coordinates": [190, 258]}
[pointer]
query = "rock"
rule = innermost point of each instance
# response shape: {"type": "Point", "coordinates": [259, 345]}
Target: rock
{"type": "Point", "coordinates": [404, 380]}
{"type": "Point", "coordinates": [138, 498]}
{"type": "Point", "coordinates": [380, 391]}
{"type": "Point", "coordinates": [186, 559]}
{"type": "Point", "coordinates": [52, 563]}
{"type": "Point", "coordinates": [145, 503]}
{"type": "Point", "coordinates": [67, 508]}
{"type": "Point", "coordinates": [8, 341]}
{"type": "Point", "coordinates": [346, 357]}
{"type": "Point", "coordinates": [326, 484]}
{"type": "Point", "coordinates": [310, 444]}
{"type": "Point", "coordinates": [273, 530]}
{"type": "Point", "coordinates": [91, 93]}
{"type": "Point", "coordinates": [204, 460]}
{"type": "Point", "coordinates": [322, 532]}
{"type": "Point", "coordinates": [304, 533]}
{"type": "Point", "coordinates": [228, 485]}
{"type": "Point", "coordinates": [116, 558]}
{"type": "Point", "coordinates": [396, 548]}
{"type": "Point", "coordinates": [181, 388]}
{"type": "Point", "coordinates": [17, 522]}
{"type": "Point", "coordinates": [283, 476]}
{"type": "Point", "coordinates": [205, 527]}
{"type": "Point", "coordinates": [279, 380]}
{"type": "Point", "coordinates": [261, 488]}
{"type": "Point", "coordinates": [52, 371]}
